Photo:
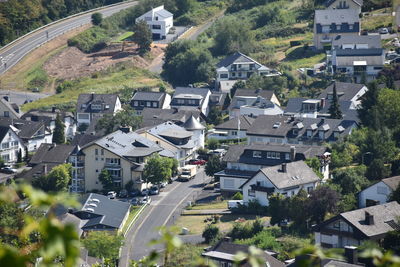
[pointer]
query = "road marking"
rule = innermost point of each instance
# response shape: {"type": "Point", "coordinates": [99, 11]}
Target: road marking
{"type": "Point", "coordinates": [177, 206]}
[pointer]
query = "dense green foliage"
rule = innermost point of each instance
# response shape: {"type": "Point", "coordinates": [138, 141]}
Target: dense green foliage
{"type": "Point", "coordinates": [56, 180]}
{"type": "Point", "coordinates": [246, 230]}
{"type": "Point", "coordinates": [18, 17]}
{"type": "Point", "coordinates": [59, 130]}
{"type": "Point", "coordinates": [159, 169]}
{"type": "Point", "coordinates": [127, 117]}
{"type": "Point", "coordinates": [103, 244]}
{"type": "Point", "coordinates": [97, 18]}
{"type": "Point", "coordinates": [334, 108]}
{"type": "Point", "coordinates": [213, 165]}
{"type": "Point", "coordinates": [142, 37]}
{"type": "Point", "coordinates": [106, 180]}
{"type": "Point", "coordinates": [210, 233]}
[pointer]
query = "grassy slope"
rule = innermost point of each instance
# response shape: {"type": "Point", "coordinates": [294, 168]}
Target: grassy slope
{"type": "Point", "coordinates": [110, 81]}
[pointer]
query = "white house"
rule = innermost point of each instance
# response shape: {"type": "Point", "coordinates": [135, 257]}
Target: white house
{"type": "Point", "coordinates": [235, 128]}
{"type": "Point", "coordinates": [159, 20]}
{"type": "Point", "coordinates": [10, 145]}
{"type": "Point", "coordinates": [261, 107]}
{"type": "Point", "coordinates": [191, 98]}
{"type": "Point", "coordinates": [344, 4]}
{"type": "Point", "coordinates": [286, 179]}
{"type": "Point", "coordinates": [378, 193]}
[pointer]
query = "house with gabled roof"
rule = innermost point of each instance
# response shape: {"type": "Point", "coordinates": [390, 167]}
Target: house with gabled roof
{"type": "Point", "coordinates": [354, 227]}
{"type": "Point", "coordinates": [344, 4]}
{"type": "Point", "coordinates": [238, 66]}
{"type": "Point", "coordinates": [142, 100]}
{"type": "Point", "coordinates": [9, 109]}
{"type": "Point", "coordinates": [10, 144]}
{"type": "Point", "coordinates": [379, 192]}
{"type": "Point", "coordinates": [191, 98]}
{"type": "Point", "coordinates": [286, 179]}
{"type": "Point", "coordinates": [234, 128]}
{"type": "Point", "coordinates": [244, 161]}
{"type": "Point", "coordinates": [160, 21]}
{"type": "Point", "coordinates": [152, 117]}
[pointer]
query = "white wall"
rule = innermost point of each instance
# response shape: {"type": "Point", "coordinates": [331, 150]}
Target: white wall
{"type": "Point", "coordinates": [378, 192]}
{"type": "Point", "coordinates": [14, 144]}
{"type": "Point", "coordinates": [167, 102]}
{"type": "Point", "coordinates": [231, 183]}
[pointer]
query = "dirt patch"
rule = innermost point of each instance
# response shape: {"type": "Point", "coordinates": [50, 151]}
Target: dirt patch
{"type": "Point", "coordinates": [73, 63]}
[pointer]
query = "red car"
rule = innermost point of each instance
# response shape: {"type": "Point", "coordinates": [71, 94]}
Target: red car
{"type": "Point", "coordinates": [197, 162]}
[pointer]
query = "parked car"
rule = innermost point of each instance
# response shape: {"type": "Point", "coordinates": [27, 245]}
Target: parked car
{"type": "Point", "coordinates": [123, 193]}
{"type": "Point", "coordinates": [8, 170]}
{"type": "Point", "coordinates": [135, 202]}
{"type": "Point", "coordinates": [163, 184]}
{"type": "Point", "coordinates": [383, 30]}
{"type": "Point", "coordinates": [111, 195]}
{"type": "Point", "coordinates": [135, 193]}
{"type": "Point", "coordinates": [145, 200]}
{"type": "Point", "coordinates": [197, 162]}
{"type": "Point", "coordinates": [395, 60]}
{"type": "Point", "coordinates": [234, 203]}
{"type": "Point", "coordinates": [154, 190]}
{"type": "Point", "coordinates": [145, 192]}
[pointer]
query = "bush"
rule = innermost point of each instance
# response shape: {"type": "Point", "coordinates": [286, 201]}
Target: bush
{"type": "Point", "coordinates": [212, 144]}
{"type": "Point", "coordinates": [64, 86]}
{"type": "Point", "coordinates": [246, 230]}
{"type": "Point", "coordinates": [237, 196]}
{"type": "Point", "coordinates": [210, 233]}
{"type": "Point", "coordinates": [252, 207]}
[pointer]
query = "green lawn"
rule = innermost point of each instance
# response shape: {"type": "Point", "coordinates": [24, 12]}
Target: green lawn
{"type": "Point", "coordinates": [375, 22]}
{"type": "Point", "coordinates": [111, 80]}
{"type": "Point", "coordinates": [123, 36]}
{"type": "Point", "coordinates": [297, 57]}
{"type": "Point", "coordinates": [134, 210]}
{"type": "Point", "coordinates": [212, 206]}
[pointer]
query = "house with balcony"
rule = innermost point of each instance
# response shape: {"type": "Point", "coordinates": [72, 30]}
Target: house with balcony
{"type": "Point", "coordinates": [238, 66]}
{"type": "Point", "coordinates": [303, 131]}
{"type": "Point", "coordinates": [49, 119]}
{"type": "Point", "coordinates": [10, 145]}
{"type": "Point", "coordinates": [32, 133]}
{"type": "Point", "coordinates": [345, 4]}
{"type": "Point", "coordinates": [91, 107]}
{"type": "Point", "coordinates": [234, 128]}
{"type": "Point", "coordinates": [244, 161]}
{"type": "Point", "coordinates": [181, 142]}
{"type": "Point", "coordinates": [155, 100]}
{"type": "Point", "coordinates": [123, 154]}
{"type": "Point", "coordinates": [191, 98]}
{"type": "Point", "coordinates": [330, 23]}
{"type": "Point", "coordinates": [349, 95]}
{"type": "Point", "coordinates": [252, 98]}
{"type": "Point", "coordinates": [354, 227]}
{"type": "Point", "coordinates": [379, 192]}
{"type": "Point", "coordinates": [160, 21]}
{"type": "Point", "coordinates": [286, 179]}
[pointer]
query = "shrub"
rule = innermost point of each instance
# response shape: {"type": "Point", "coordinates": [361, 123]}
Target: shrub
{"type": "Point", "coordinates": [252, 207]}
{"type": "Point", "coordinates": [246, 230]}
{"type": "Point", "coordinates": [237, 196]}
{"type": "Point", "coordinates": [210, 233]}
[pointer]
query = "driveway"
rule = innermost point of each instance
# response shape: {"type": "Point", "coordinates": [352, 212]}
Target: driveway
{"type": "Point", "coordinates": [163, 211]}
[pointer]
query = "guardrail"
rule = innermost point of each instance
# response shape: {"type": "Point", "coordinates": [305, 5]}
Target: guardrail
{"type": "Point", "coordinates": [4, 48]}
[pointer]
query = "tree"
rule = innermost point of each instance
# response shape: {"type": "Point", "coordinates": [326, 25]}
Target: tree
{"type": "Point", "coordinates": [334, 109]}
{"type": "Point", "coordinates": [395, 195]}
{"type": "Point", "coordinates": [158, 169]}
{"type": "Point", "coordinates": [323, 200]}
{"type": "Point", "coordinates": [19, 156]}
{"type": "Point", "coordinates": [56, 181]}
{"type": "Point", "coordinates": [212, 143]}
{"type": "Point", "coordinates": [347, 203]}
{"type": "Point", "coordinates": [368, 101]}
{"type": "Point", "coordinates": [278, 208]}
{"type": "Point", "coordinates": [103, 244]}
{"type": "Point", "coordinates": [237, 196]}
{"type": "Point", "coordinates": [214, 165]}
{"type": "Point", "coordinates": [142, 37]}
{"type": "Point", "coordinates": [97, 18]}
{"type": "Point", "coordinates": [215, 116]}
{"type": "Point", "coordinates": [125, 117]}
{"type": "Point", "coordinates": [391, 241]}
{"type": "Point", "coordinates": [106, 180]}
{"type": "Point", "coordinates": [298, 203]}
{"type": "Point", "coordinates": [58, 134]}
{"type": "Point", "coordinates": [351, 180]}
{"type": "Point", "coordinates": [210, 233]}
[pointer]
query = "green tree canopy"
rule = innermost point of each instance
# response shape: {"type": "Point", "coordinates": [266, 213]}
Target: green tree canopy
{"type": "Point", "coordinates": [278, 208]}
{"type": "Point", "coordinates": [126, 117]}
{"type": "Point", "coordinates": [142, 37]}
{"type": "Point", "coordinates": [97, 18]}
{"type": "Point", "coordinates": [59, 130]}
{"type": "Point", "coordinates": [334, 108]}
{"type": "Point", "coordinates": [351, 180]}
{"type": "Point", "coordinates": [323, 200]}
{"type": "Point", "coordinates": [106, 180]}
{"type": "Point", "coordinates": [213, 165]}
{"type": "Point", "coordinates": [103, 244]}
{"type": "Point", "coordinates": [56, 180]}
{"type": "Point", "coordinates": [395, 195]}
{"type": "Point", "coordinates": [159, 169]}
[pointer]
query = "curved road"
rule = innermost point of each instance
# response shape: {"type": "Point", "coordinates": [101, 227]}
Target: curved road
{"type": "Point", "coordinates": [14, 53]}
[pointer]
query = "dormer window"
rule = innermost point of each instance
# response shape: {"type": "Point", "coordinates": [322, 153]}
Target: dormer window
{"type": "Point", "coordinates": [309, 133]}
{"type": "Point", "coordinates": [96, 106]}
{"type": "Point", "coordinates": [256, 154]}
{"type": "Point", "coordinates": [338, 27]}
{"type": "Point", "coordinates": [321, 135]}
{"type": "Point", "coordinates": [295, 131]}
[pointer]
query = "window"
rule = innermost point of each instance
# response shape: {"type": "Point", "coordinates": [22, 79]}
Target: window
{"type": "Point", "coordinates": [240, 74]}
{"type": "Point", "coordinates": [180, 101]}
{"type": "Point", "coordinates": [113, 161]}
{"type": "Point", "coordinates": [321, 135]}
{"type": "Point", "coordinates": [229, 183]}
{"type": "Point", "coordinates": [192, 102]}
{"type": "Point", "coordinates": [378, 68]}
{"type": "Point", "coordinates": [338, 27]}
{"type": "Point", "coordinates": [257, 154]}
{"type": "Point", "coordinates": [96, 151]}
{"type": "Point", "coordinates": [102, 152]}
{"type": "Point", "coordinates": [154, 104]}
{"type": "Point", "coordinates": [336, 225]}
{"type": "Point", "coordinates": [148, 104]}
{"type": "Point", "coordinates": [309, 133]}
{"type": "Point", "coordinates": [156, 27]}
{"type": "Point", "coordinates": [5, 145]}
{"type": "Point", "coordinates": [96, 106]}
{"type": "Point", "coordinates": [83, 116]}
{"type": "Point", "coordinates": [6, 114]}
{"type": "Point", "coordinates": [251, 193]}
{"type": "Point", "coordinates": [295, 131]}
{"type": "Point", "coordinates": [287, 156]}
{"type": "Point", "coordinates": [234, 133]}
{"type": "Point", "coordinates": [136, 103]}
{"type": "Point", "coordinates": [115, 173]}
{"type": "Point", "coordinates": [223, 76]}
{"type": "Point", "coordinates": [233, 74]}
{"type": "Point", "coordinates": [350, 27]}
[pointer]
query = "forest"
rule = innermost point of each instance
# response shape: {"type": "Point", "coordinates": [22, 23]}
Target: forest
{"type": "Point", "coordinates": [17, 17]}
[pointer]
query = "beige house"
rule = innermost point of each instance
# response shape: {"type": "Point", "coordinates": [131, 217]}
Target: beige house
{"type": "Point", "coordinates": [330, 23]}
{"type": "Point", "coordinates": [124, 154]}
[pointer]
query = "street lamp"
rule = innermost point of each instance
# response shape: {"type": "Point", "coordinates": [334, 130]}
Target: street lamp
{"type": "Point", "coordinates": [362, 156]}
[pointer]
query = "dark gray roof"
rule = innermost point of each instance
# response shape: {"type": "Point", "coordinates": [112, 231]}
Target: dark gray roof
{"type": "Point", "coordinates": [336, 16]}
{"type": "Point", "coordinates": [52, 153]}
{"type": "Point", "coordinates": [238, 57]}
{"type": "Point", "coordinates": [83, 139]}
{"type": "Point", "coordinates": [384, 215]}
{"type": "Point", "coordinates": [3, 132]}
{"type": "Point", "coordinates": [153, 116]}
{"type": "Point", "coordinates": [373, 41]}
{"type": "Point", "coordinates": [45, 116]}
{"type": "Point", "coordinates": [107, 101]}
{"type": "Point", "coordinates": [232, 124]}
{"type": "Point", "coordinates": [217, 99]}
{"type": "Point", "coordinates": [107, 212]}
{"type": "Point", "coordinates": [27, 129]}
{"type": "Point", "coordinates": [359, 52]}
{"type": "Point", "coordinates": [345, 91]}
{"type": "Point", "coordinates": [243, 153]}
{"type": "Point", "coordinates": [37, 171]}
{"type": "Point", "coordinates": [193, 124]}
{"type": "Point", "coordinates": [235, 173]}
{"type": "Point", "coordinates": [229, 248]}
{"type": "Point", "coordinates": [392, 182]}
{"type": "Point", "coordinates": [267, 94]}
{"type": "Point", "coordinates": [149, 96]}
{"type": "Point", "coordinates": [281, 126]}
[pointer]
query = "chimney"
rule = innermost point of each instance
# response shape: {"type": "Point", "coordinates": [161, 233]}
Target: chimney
{"type": "Point", "coordinates": [292, 153]}
{"type": "Point", "coordinates": [6, 98]}
{"type": "Point", "coordinates": [284, 167]}
{"type": "Point", "coordinates": [125, 129]}
{"type": "Point", "coordinates": [44, 169]}
{"type": "Point", "coordinates": [350, 254]}
{"type": "Point", "coordinates": [369, 218]}
{"type": "Point", "coordinates": [323, 102]}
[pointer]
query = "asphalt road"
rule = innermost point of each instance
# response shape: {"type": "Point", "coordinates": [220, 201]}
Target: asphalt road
{"type": "Point", "coordinates": [163, 210]}
{"type": "Point", "coordinates": [13, 54]}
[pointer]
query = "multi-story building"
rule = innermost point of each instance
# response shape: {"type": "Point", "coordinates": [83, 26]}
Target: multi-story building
{"type": "Point", "coordinates": [155, 100]}
{"type": "Point", "coordinates": [159, 20]}
{"type": "Point", "coordinates": [10, 145]}
{"type": "Point", "coordinates": [190, 98]}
